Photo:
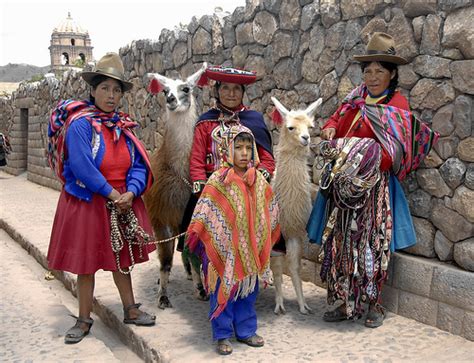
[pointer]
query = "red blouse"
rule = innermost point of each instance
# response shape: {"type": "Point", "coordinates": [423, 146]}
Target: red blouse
{"type": "Point", "coordinates": [117, 161]}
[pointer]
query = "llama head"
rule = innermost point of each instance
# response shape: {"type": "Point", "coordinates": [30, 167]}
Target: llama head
{"type": "Point", "coordinates": [296, 125]}
{"type": "Point", "coordinates": [178, 93]}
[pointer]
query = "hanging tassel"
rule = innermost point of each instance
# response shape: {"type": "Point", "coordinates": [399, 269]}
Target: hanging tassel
{"type": "Point", "coordinates": [155, 86]}
{"type": "Point", "coordinates": [276, 117]}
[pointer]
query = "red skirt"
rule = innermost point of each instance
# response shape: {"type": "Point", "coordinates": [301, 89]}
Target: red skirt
{"type": "Point", "coordinates": [80, 239]}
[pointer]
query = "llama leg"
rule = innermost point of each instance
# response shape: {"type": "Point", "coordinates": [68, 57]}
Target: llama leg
{"type": "Point", "coordinates": [165, 254]}
{"type": "Point", "coordinates": [276, 264]}
{"type": "Point", "coordinates": [294, 254]}
{"type": "Point", "coordinates": [195, 270]}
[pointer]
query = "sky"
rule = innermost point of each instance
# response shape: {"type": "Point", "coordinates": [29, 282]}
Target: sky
{"type": "Point", "coordinates": [26, 26]}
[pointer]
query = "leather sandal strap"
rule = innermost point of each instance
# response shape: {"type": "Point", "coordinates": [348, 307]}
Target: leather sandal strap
{"type": "Point", "coordinates": [89, 321]}
{"type": "Point", "coordinates": [132, 306]}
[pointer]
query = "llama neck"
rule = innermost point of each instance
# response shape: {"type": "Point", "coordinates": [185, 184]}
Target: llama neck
{"type": "Point", "coordinates": [179, 138]}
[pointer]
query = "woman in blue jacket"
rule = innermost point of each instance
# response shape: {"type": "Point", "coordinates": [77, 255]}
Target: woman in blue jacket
{"type": "Point", "coordinates": [99, 159]}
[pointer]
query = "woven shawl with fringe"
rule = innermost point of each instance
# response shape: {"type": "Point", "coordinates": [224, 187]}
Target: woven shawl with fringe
{"type": "Point", "coordinates": [68, 111]}
{"type": "Point", "coordinates": [236, 219]}
{"type": "Point", "coordinates": [406, 139]}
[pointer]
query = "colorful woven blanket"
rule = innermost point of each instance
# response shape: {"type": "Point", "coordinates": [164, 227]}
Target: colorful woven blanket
{"type": "Point", "coordinates": [68, 111]}
{"type": "Point", "coordinates": [402, 135]}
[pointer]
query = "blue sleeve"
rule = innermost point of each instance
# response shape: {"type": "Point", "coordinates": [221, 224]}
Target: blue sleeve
{"type": "Point", "coordinates": [81, 162]}
{"type": "Point", "coordinates": [137, 175]}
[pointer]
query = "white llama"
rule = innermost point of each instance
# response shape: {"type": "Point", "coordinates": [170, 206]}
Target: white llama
{"type": "Point", "coordinates": [167, 198]}
{"type": "Point", "coordinates": [292, 186]}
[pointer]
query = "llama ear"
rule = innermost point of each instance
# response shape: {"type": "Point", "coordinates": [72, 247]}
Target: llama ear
{"type": "Point", "coordinates": [155, 86]}
{"type": "Point", "coordinates": [281, 109]}
{"type": "Point", "coordinates": [276, 116]}
{"type": "Point", "coordinates": [157, 83]}
{"type": "Point", "coordinates": [311, 110]}
{"type": "Point", "coordinates": [196, 78]}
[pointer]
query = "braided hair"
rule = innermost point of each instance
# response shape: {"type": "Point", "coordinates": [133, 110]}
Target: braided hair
{"type": "Point", "coordinates": [392, 87]}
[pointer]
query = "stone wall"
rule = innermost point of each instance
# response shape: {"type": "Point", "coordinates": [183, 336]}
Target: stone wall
{"type": "Point", "coordinates": [303, 50]}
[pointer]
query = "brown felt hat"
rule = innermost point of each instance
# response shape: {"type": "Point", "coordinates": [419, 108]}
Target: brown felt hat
{"type": "Point", "coordinates": [109, 65]}
{"type": "Point", "coordinates": [381, 48]}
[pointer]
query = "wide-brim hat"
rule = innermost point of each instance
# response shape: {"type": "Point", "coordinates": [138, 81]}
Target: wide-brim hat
{"type": "Point", "coordinates": [381, 48]}
{"type": "Point", "coordinates": [109, 65]}
{"type": "Point", "coordinates": [227, 74]}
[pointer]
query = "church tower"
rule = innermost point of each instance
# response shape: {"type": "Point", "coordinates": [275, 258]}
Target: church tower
{"type": "Point", "coordinates": [70, 45]}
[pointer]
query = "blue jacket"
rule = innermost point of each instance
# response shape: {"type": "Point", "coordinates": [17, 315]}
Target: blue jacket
{"type": "Point", "coordinates": [85, 152]}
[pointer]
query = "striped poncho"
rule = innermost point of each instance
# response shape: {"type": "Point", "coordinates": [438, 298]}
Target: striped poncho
{"type": "Point", "coordinates": [236, 221]}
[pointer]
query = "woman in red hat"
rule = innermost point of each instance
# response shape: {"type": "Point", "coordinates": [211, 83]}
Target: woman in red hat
{"type": "Point", "coordinates": [208, 151]}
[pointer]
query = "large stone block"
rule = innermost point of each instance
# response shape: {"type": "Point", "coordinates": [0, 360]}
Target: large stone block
{"type": "Point", "coordinates": [469, 177]}
{"type": "Point", "coordinates": [430, 180]}
{"type": "Point", "coordinates": [450, 318]}
{"type": "Point", "coordinates": [463, 75]}
{"type": "Point", "coordinates": [425, 233]}
{"type": "Point", "coordinates": [454, 226]}
{"type": "Point", "coordinates": [466, 149]}
{"type": "Point", "coordinates": [330, 12]}
{"type": "Point", "coordinates": [287, 73]}
{"type": "Point", "coordinates": [432, 160]}
{"type": "Point", "coordinates": [464, 254]}
{"type": "Point", "coordinates": [453, 286]}
{"type": "Point", "coordinates": [202, 42]}
{"type": "Point", "coordinates": [282, 44]}
{"type": "Point", "coordinates": [443, 247]}
{"type": "Point", "coordinates": [431, 94]}
{"type": "Point", "coordinates": [264, 26]}
{"type": "Point", "coordinates": [468, 326]}
{"type": "Point", "coordinates": [446, 146]}
{"type": "Point", "coordinates": [290, 15]}
{"type": "Point", "coordinates": [431, 42]}
{"type": "Point", "coordinates": [412, 274]}
{"type": "Point", "coordinates": [400, 29]}
{"type": "Point", "coordinates": [420, 203]}
{"type": "Point", "coordinates": [244, 33]}
{"type": "Point", "coordinates": [463, 202]}
{"type": "Point", "coordinates": [309, 15]}
{"type": "Point", "coordinates": [417, 307]}
{"type": "Point", "coordinates": [458, 31]}
{"type": "Point", "coordinates": [442, 120]}
{"type": "Point", "coordinates": [432, 67]}
{"type": "Point", "coordinates": [463, 116]}
{"type": "Point", "coordinates": [407, 77]}
{"type": "Point", "coordinates": [453, 171]}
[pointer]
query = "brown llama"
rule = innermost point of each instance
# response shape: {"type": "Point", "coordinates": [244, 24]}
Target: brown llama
{"type": "Point", "coordinates": [292, 186]}
{"type": "Point", "coordinates": [167, 198]}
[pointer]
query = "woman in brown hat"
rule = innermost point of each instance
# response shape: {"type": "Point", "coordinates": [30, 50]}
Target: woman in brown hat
{"type": "Point", "coordinates": [104, 170]}
{"type": "Point", "coordinates": [361, 215]}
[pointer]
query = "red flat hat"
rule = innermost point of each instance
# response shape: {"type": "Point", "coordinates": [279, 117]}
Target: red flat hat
{"type": "Point", "coordinates": [227, 74]}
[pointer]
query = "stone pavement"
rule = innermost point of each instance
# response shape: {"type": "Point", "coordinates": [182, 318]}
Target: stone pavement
{"type": "Point", "coordinates": [34, 316]}
{"type": "Point", "coordinates": [183, 332]}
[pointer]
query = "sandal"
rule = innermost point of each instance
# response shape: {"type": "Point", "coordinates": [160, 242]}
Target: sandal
{"type": "Point", "coordinates": [144, 319]}
{"type": "Point", "coordinates": [375, 316]}
{"type": "Point", "coordinates": [335, 315]}
{"type": "Point", "coordinates": [224, 347]}
{"type": "Point", "coordinates": [76, 333]}
{"type": "Point", "coordinates": [253, 341]}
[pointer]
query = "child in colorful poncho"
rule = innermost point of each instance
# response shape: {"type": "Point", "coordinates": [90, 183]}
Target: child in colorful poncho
{"type": "Point", "coordinates": [233, 229]}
